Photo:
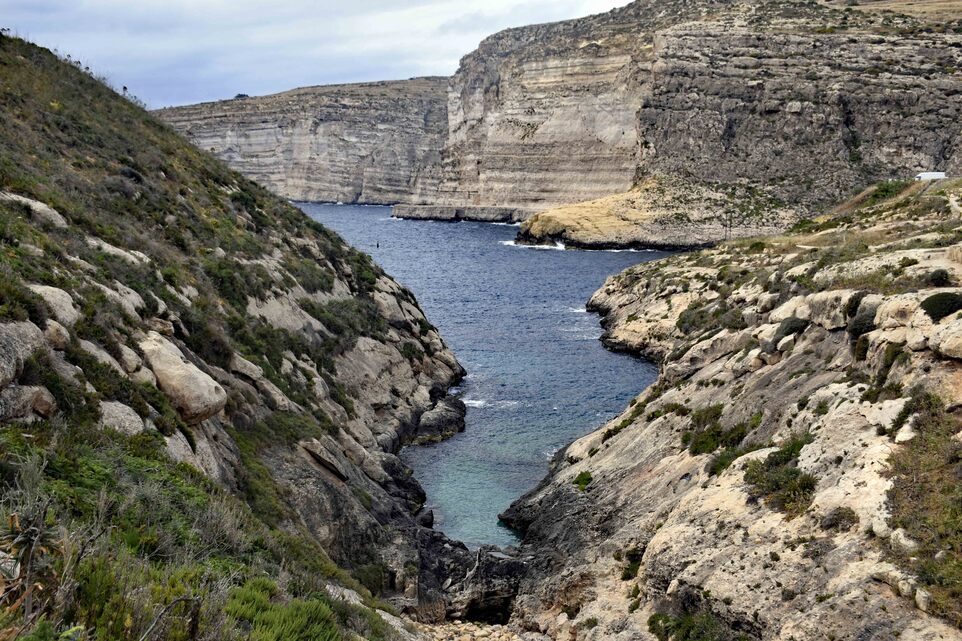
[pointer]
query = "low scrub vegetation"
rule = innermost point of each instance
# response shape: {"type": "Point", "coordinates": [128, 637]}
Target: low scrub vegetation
{"type": "Point", "coordinates": [778, 481]}
{"type": "Point", "coordinates": [926, 501]}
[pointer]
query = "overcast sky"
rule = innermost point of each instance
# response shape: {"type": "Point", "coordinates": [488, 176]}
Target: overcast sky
{"type": "Point", "coordinates": [172, 52]}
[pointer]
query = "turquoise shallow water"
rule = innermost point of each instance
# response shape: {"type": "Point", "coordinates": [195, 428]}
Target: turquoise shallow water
{"type": "Point", "coordinates": [537, 375]}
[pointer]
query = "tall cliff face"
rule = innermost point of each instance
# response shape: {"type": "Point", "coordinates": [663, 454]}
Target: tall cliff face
{"type": "Point", "coordinates": [805, 102]}
{"type": "Point", "coordinates": [793, 473]}
{"type": "Point", "coordinates": [202, 392]}
{"type": "Point", "coordinates": [362, 143]}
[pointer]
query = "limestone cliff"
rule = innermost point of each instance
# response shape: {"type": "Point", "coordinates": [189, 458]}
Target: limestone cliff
{"type": "Point", "coordinates": [361, 143]}
{"type": "Point", "coordinates": [793, 473]}
{"type": "Point", "coordinates": [785, 101]}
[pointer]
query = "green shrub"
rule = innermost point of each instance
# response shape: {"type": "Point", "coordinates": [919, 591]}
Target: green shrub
{"type": "Point", "coordinates": [886, 190]}
{"type": "Point", "coordinates": [697, 626]}
{"type": "Point", "coordinates": [940, 305]}
{"type": "Point", "coordinates": [789, 326]}
{"type": "Point", "coordinates": [372, 576]}
{"type": "Point", "coordinates": [297, 620]}
{"type": "Point", "coordinates": [841, 518]}
{"type": "Point", "coordinates": [862, 323]}
{"type": "Point", "coordinates": [583, 480]}
{"type": "Point", "coordinates": [926, 500]}
{"type": "Point", "coordinates": [777, 480]}
{"type": "Point", "coordinates": [633, 556]}
{"type": "Point", "coordinates": [939, 278]}
{"type": "Point", "coordinates": [723, 460]}
{"type": "Point", "coordinates": [18, 303]}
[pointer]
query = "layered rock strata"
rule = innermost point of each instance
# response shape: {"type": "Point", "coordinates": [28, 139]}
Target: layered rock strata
{"type": "Point", "coordinates": [360, 143]}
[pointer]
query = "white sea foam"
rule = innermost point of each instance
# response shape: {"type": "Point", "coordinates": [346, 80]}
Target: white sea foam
{"type": "Point", "coordinates": [475, 402]}
{"type": "Point", "coordinates": [511, 243]}
{"type": "Point", "coordinates": [578, 310]}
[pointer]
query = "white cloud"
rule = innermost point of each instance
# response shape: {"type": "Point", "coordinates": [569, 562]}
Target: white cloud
{"type": "Point", "coordinates": [183, 51]}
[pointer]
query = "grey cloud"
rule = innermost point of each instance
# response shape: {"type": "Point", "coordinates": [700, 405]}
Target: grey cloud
{"type": "Point", "coordinates": [181, 51]}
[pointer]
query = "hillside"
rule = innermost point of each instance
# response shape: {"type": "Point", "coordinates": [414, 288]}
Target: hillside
{"type": "Point", "coordinates": [202, 393]}
{"type": "Point", "coordinates": [794, 471]}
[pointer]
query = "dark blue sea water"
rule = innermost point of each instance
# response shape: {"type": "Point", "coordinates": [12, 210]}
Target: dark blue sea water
{"type": "Point", "coordinates": [515, 317]}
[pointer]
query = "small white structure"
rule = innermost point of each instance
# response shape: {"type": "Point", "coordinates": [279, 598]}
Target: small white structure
{"type": "Point", "coordinates": [931, 175]}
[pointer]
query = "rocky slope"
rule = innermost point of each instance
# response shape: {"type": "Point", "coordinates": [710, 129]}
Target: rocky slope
{"type": "Point", "coordinates": [202, 393]}
{"type": "Point", "coordinates": [361, 143]}
{"type": "Point", "coordinates": [794, 472]}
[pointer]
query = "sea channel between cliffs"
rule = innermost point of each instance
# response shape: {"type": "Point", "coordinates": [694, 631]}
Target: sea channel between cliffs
{"type": "Point", "coordinates": [537, 375]}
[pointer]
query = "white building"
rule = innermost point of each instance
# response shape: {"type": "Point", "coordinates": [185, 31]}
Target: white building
{"type": "Point", "coordinates": [931, 175]}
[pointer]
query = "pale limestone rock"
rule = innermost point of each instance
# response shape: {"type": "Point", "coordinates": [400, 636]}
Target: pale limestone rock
{"type": "Point", "coordinates": [21, 401]}
{"type": "Point", "coordinates": [240, 365]}
{"type": "Point", "coordinates": [59, 302]}
{"type": "Point", "coordinates": [56, 334]}
{"type": "Point", "coordinates": [881, 528]}
{"type": "Point", "coordinates": [901, 542]}
{"type": "Point", "coordinates": [276, 399]}
{"type": "Point", "coordinates": [786, 344]}
{"type": "Point", "coordinates": [135, 258]}
{"type": "Point", "coordinates": [203, 456]}
{"type": "Point", "coordinates": [101, 355]}
{"type": "Point", "coordinates": [18, 341]}
{"type": "Point", "coordinates": [40, 212]}
{"type": "Point", "coordinates": [923, 600]}
{"type": "Point", "coordinates": [828, 308]}
{"type": "Point", "coordinates": [129, 359]}
{"type": "Point", "coordinates": [195, 394]}
{"type": "Point", "coordinates": [794, 307]}
{"type": "Point", "coordinates": [126, 298]}
{"type": "Point", "coordinates": [120, 417]}
{"type": "Point", "coordinates": [948, 339]}
{"type": "Point", "coordinates": [144, 376]}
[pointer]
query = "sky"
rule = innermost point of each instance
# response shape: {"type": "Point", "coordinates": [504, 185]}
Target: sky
{"type": "Point", "coordinates": [174, 52]}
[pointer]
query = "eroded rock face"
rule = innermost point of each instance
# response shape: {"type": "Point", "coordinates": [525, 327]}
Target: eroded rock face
{"type": "Point", "coordinates": [365, 143]}
{"type": "Point", "coordinates": [195, 394]}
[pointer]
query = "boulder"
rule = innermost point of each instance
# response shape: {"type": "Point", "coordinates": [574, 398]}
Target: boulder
{"type": "Point", "coordinates": [59, 302]}
{"type": "Point", "coordinates": [795, 307]}
{"type": "Point", "coordinates": [18, 341]}
{"type": "Point", "coordinates": [242, 366]}
{"type": "Point", "coordinates": [39, 212]}
{"type": "Point", "coordinates": [56, 334]}
{"type": "Point", "coordinates": [901, 542]}
{"type": "Point", "coordinates": [101, 355]}
{"type": "Point", "coordinates": [129, 359]}
{"type": "Point", "coordinates": [948, 340]}
{"type": "Point", "coordinates": [276, 399]}
{"type": "Point", "coordinates": [22, 401]}
{"type": "Point", "coordinates": [120, 417]}
{"type": "Point", "coordinates": [828, 309]}
{"type": "Point", "coordinates": [442, 421]}
{"type": "Point", "coordinates": [196, 395]}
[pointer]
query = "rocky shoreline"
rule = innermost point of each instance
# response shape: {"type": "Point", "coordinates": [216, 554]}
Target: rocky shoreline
{"type": "Point", "coordinates": [757, 489]}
